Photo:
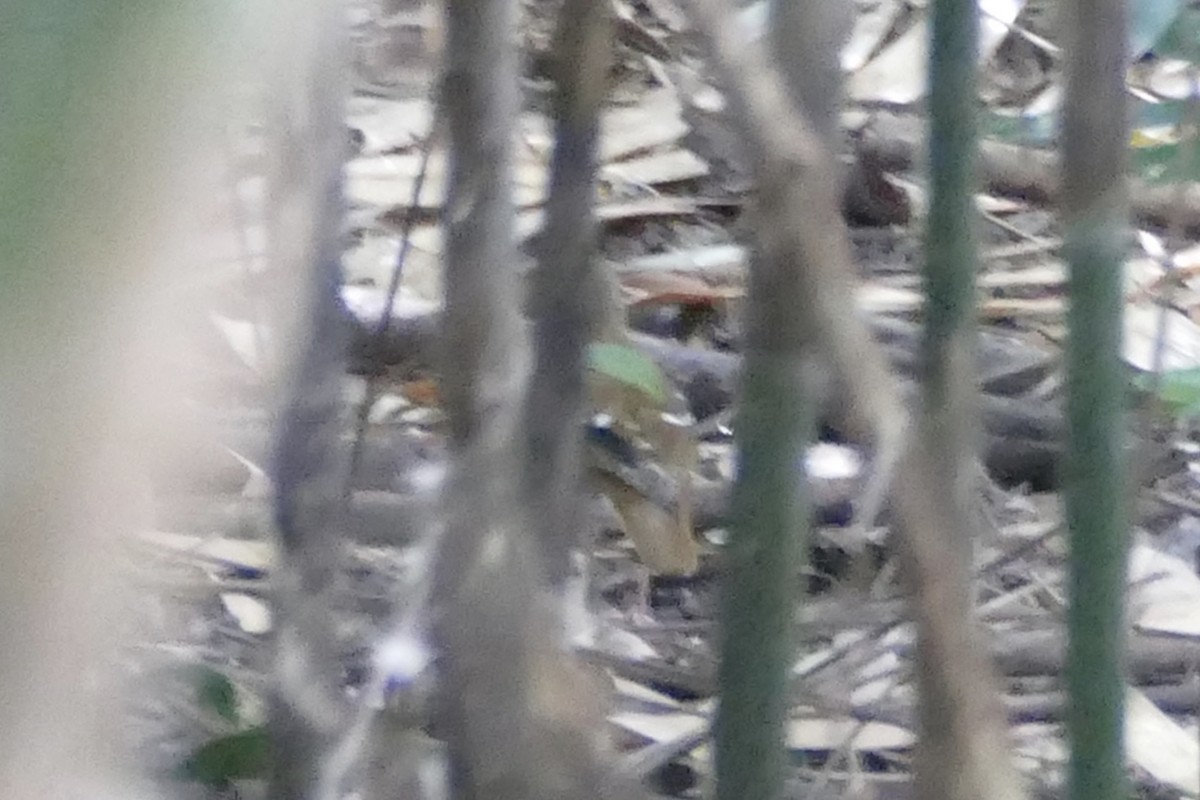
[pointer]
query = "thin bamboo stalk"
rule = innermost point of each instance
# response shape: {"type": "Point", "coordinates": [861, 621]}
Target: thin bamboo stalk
{"type": "Point", "coordinates": [1095, 209]}
{"type": "Point", "coordinates": [770, 507]}
{"type": "Point", "coordinates": [948, 421]}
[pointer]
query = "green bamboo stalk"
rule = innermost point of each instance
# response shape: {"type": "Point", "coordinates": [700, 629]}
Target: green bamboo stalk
{"type": "Point", "coordinates": [948, 418]}
{"type": "Point", "coordinates": [950, 263]}
{"type": "Point", "coordinates": [1095, 138]}
{"type": "Point", "coordinates": [764, 555]}
{"type": "Point", "coordinates": [770, 511]}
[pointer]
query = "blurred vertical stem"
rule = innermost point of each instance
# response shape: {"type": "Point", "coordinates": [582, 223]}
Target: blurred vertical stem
{"type": "Point", "coordinates": [306, 129]}
{"type": "Point", "coordinates": [948, 381]}
{"type": "Point", "coordinates": [564, 288]}
{"type": "Point", "coordinates": [1095, 138]}
{"type": "Point", "coordinates": [485, 576]}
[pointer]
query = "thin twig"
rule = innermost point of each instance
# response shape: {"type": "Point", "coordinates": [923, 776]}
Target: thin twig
{"type": "Point", "coordinates": [377, 335]}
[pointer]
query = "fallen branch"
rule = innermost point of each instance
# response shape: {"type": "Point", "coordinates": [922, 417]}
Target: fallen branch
{"type": "Point", "coordinates": [1033, 175]}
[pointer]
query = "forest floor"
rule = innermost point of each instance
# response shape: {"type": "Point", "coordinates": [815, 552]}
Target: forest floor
{"type": "Point", "coordinates": [672, 195]}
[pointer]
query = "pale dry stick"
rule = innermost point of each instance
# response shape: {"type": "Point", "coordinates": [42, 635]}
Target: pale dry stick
{"type": "Point", "coordinates": [802, 224]}
{"type": "Point", "coordinates": [1039, 242]}
{"type": "Point", "coordinates": [1049, 48]}
{"type": "Point", "coordinates": [639, 764]}
{"type": "Point", "coordinates": [844, 749]}
{"type": "Point", "coordinates": [1035, 246]}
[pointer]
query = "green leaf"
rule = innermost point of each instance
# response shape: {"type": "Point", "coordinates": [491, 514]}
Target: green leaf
{"type": "Point", "coordinates": [629, 366]}
{"type": "Point", "coordinates": [239, 756]}
{"type": "Point", "coordinates": [1179, 390]}
{"type": "Point", "coordinates": [217, 694]}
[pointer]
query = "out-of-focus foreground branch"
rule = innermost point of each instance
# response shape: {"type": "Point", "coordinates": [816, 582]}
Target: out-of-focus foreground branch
{"type": "Point", "coordinates": [305, 109]}
{"type": "Point", "coordinates": [520, 721]}
{"type": "Point", "coordinates": [107, 155]}
{"type": "Point", "coordinates": [564, 288]}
